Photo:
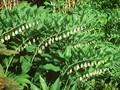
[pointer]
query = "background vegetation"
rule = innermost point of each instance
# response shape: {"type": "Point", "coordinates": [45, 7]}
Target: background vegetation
{"type": "Point", "coordinates": [60, 45]}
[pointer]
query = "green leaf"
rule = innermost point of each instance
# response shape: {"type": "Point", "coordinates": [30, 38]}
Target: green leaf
{"type": "Point", "coordinates": [33, 87]}
{"type": "Point", "coordinates": [43, 83]}
{"type": "Point", "coordinates": [51, 67]}
{"type": "Point", "coordinates": [56, 85]}
{"type": "Point", "coordinates": [26, 65]}
{"type": "Point", "coordinates": [74, 87]}
{"type": "Point", "coordinates": [23, 79]}
{"type": "Point", "coordinates": [1, 71]}
{"type": "Point", "coordinates": [30, 48]}
{"type": "Point", "coordinates": [68, 52]}
{"type": "Point", "coordinates": [91, 69]}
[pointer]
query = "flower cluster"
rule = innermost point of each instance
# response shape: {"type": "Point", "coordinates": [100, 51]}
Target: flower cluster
{"type": "Point", "coordinates": [85, 65]}
{"type": "Point", "coordinates": [15, 31]}
{"type": "Point", "coordinates": [92, 74]}
{"type": "Point", "coordinates": [56, 38]}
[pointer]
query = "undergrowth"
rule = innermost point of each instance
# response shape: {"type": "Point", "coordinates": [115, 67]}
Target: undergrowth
{"type": "Point", "coordinates": [61, 45]}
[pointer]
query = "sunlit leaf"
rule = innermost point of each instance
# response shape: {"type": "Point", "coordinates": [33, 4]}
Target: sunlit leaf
{"type": "Point", "coordinates": [43, 83]}
{"type": "Point", "coordinates": [51, 67]}
{"type": "Point", "coordinates": [56, 85]}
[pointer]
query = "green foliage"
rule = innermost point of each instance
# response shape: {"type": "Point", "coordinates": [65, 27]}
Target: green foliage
{"type": "Point", "coordinates": [45, 48]}
{"type": "Point", "coordinates": [43, 83]}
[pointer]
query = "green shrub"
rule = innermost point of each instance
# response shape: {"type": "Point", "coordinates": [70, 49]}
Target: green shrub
{"type": "Point", "coordinates": [79, 49]}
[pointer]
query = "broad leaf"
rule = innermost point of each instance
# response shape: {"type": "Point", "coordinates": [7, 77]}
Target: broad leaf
{"type": "Point", "coordinates": [51, 67]}
{"type": "Point", "coordinates": [43, 84]}
{"type": "Point", "coordinates": [56, 85]}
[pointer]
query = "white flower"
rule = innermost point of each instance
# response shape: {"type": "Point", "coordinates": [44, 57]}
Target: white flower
{"type": "Point", "coordinates": [20, 30]}
{"type": "Point", "coordinates": [46, 44]}
{"type": "Point", "coordinates": [81, 28]}
{"type": "Point", "coordinates": [82, 65]}
{"type": "Point", "coordinates": [68, 33]}
{"type": "Point", "coordinates": [23, 27]}
{"type": "Point", "coordinates": [37, 22]}
{"type": "Point", "coordinates": [60, 37]}
{"type": "Point", "coordinates": [52, 40]}
{"type": "Point", "coordinates": [85, 64]}
{"type": "Point", "coordinates": [75, 30]}
{"type": "Point", "coordinates": [2, 40]}
{"type": "Point", "coordinates": [81, 79]}
{"type": "Point", "coordinates": [34, 40]}
{"type": "Point", "coordinates": [87, 75]}
{"type": "Point", "coordinates": [33, 23]}
{"type": "Point", "coordinates": [77, 67]}
{"type": "Point", "coordinates": [43, 47]}
{"type": "Point", "coordinates": [92, 64]}
{"type": "Point", "coordinates": [78, 29]}
{"type": "Point", "coordinates": [70, 71]}
{"type": "Point", "coordinates": [39, 51]}
{"type": "Point", "coordinates": [13, 34]}
{"type": "Point", "coordinates": [49, 41]}
{"type": "Point", "coordinates": [56, 38]}
{"type": "Point", "coordinates": [64, 36]}
{"type": "Point", "coordinates": [29, 43]}
{"type": "Point", "coordinates": [99, 63]}
{"type": "Point", "coordinates": [88, 64]}
{"type": "Point", "coordinates": [27, 26]}
{"type": "Point", "coordinates": [8, 37]}
{"type": "Point", "coordinates": [16, 32]}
